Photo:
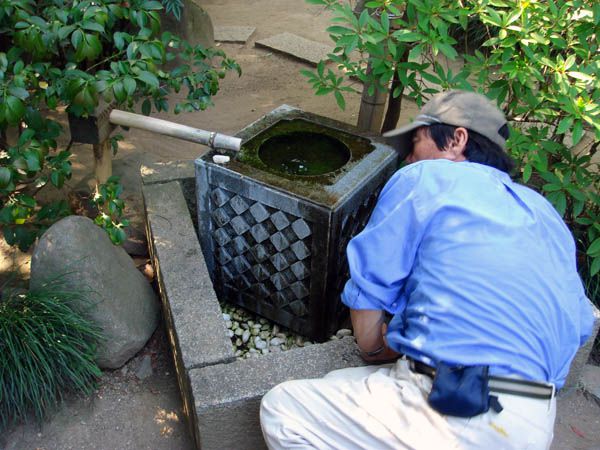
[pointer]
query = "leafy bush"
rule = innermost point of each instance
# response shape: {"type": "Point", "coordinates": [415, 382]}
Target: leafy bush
{"type": "Point", "coordinates": [46, 348]}
{"type": "Point", "coordinates": [539, 61]}
{"type": "Point", "coordinates": [73, 53]}
{"type": "Point", "coordinates": [110, 208]}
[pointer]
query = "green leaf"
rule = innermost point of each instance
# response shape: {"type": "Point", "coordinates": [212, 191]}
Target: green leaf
{"type": "Point", "coordinates": [581, 76]}
{"type": "Point", "coordinates": [90, 25]}
{"type": "Point", "coordinates": [448, 50]}
{"type": "Point", "coordinates": [14, 110]}
{"type": "Point", "coordinates": [527, 172]}
{"type": "Point", "coordinates": [152, 6]}
{"type": "Point", "coordinates": [559, 200]}
{"type": "Point", "coordinates": [130, 85]}
{"type": "Point", "coordinates": [5, 177]}
{"type": "Point", "coordinates": [148, 78]}
{"type": "Point", "coordinates": [577, 132]}
{"type": "Point", "coordinates": [339, 98]}
{"type": "Point", "coordinates": [77, 39]}
{"type": "Point", "coordinates": [57, 178]}
{"type": "Point", "coordinates": [406, 36]}
{"type": "Point", "coordinates": [33, 158]}
{"type": "Point", "coordinates": [63, 32]}
{"type": "Point", "coordinates": [26, 136]}
{"type": "Point", "coordinates": [564, 125]}
{"type": "Point", "coordinates": [146, 107]}
{"type": "Point", "coordinates": [18, 92]}
{"type": "Point", "coordinates": [594, 248]}
{"type": "Point", "coordinates": [595, 267]}
{"type": "Point", "coordinates": [119, 92]}
{"type": "Point", "coordinates": [27, 201]}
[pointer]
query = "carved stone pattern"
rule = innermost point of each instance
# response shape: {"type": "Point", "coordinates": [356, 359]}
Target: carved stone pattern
{"type": "Point", "coordinates": [351, 224]}
{"type": "Point", "coordinates": [261, 252]}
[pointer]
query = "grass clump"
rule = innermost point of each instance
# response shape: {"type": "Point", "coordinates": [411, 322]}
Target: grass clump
{"type": "Point", "coordinates": [46, 349]}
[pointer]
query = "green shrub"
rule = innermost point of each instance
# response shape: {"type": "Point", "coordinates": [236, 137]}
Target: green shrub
{"type": "Point", "coordinates": [539, 61]}
{"type": "Point", "coordinates": [59, 53]}
{"type": "Point", "coordinates": [46, 349]}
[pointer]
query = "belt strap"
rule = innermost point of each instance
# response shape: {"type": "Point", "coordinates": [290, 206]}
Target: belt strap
{"type": "Point", "coordinates": [502, 385]}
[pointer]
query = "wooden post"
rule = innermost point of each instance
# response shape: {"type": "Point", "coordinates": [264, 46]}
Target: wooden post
{"type": "Point", "coordinates": [102, 161]}
{"type": "Point", "coordinates": [372, 107]}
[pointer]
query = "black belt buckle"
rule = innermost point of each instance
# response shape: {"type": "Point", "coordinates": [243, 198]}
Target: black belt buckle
{"type": "Point", "coordinates": [422, 368]}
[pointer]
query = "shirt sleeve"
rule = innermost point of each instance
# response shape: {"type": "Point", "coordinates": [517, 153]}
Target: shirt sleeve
{"type": "Point", "coordinates": [587, 320]}
{"type": "Point", "coordinates": [381, 257]}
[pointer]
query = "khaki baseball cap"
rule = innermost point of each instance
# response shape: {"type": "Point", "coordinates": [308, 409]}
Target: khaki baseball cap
{"type": "Point", "coordinates": [470, 110]}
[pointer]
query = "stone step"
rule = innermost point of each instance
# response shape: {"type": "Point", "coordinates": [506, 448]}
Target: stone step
{"type": "Point", "coordinates": [297, 47]}
{"type": "Point", "coordinates": [233, 34]}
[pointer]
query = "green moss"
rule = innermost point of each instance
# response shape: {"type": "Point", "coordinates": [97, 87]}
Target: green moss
{"type": "Point", "coordinates": [312, 187]}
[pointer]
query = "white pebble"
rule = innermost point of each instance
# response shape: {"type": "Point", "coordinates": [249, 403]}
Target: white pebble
{"type": "Point", "coordinates": [228, 324]}
{"type": "Point", "coordinates": [245, 336]}
{"type": "Point", "coordinates": [260, 344]}
{"type": "Point", "coordinates": [265, 351]}
{"type": "Point", "coordinates": [226, 316]}
{"type": "Point", "coordinates": [230, 332]}
{"type": "Point", "coordinates": [275, 329]}
{"type": "Point", "coordinates": [277, 341]}
{"type": "Point", "coordinates": [343, 333]}
{"type": "Point", "coordinates": [239, 332]}
{"type": "Point", "coordinates": [264, 334]}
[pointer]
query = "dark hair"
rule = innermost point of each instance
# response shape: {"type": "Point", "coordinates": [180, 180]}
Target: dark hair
{"type": "Point", "coordinates": [479, 149]}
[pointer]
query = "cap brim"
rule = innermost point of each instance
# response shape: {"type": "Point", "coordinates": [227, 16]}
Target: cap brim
{"type": "Point", "coordinates": [408, 128]}
{"type": "Point", "coordinates": [400, 138]}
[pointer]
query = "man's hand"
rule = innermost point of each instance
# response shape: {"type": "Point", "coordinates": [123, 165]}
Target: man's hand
{"type": "Point", "coordinates": [369, 330]}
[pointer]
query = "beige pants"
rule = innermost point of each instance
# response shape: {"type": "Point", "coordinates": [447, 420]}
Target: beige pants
{"type": "Point", "coordinates": [381, 407]}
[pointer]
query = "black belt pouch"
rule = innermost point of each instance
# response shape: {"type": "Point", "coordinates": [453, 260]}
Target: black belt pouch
{"type": "Point", "coordinates": [461, 391]}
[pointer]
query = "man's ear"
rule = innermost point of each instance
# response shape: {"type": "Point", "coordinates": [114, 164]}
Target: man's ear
{"type": "Point", "coordinates": [457, 145]}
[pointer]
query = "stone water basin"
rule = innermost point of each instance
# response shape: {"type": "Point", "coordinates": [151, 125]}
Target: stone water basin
{"type": "Point", "coordinates": [221, 392]}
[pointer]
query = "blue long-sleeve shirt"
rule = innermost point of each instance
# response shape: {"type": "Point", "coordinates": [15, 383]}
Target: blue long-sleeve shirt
{"type": "Point", "coordinates": [476, 269]}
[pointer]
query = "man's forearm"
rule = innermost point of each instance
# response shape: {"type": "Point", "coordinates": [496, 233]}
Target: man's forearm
{"type": "Point", "coordinates": [367, 329]}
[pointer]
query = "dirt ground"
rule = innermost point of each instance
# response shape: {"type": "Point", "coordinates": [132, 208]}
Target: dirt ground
{"type": "Point", "coordinates": [126, 412]}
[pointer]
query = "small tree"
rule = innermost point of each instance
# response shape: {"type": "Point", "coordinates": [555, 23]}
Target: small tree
{"type": "Point", "coordinates": [539, 61]}
{"type": "Point", "coordinates": [72, 53]}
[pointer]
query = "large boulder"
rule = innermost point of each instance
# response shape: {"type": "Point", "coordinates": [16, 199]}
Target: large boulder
{"type": "Point", "coordinates": [195, 25]}
{"type": "Point", "coordinates": [124, 304]}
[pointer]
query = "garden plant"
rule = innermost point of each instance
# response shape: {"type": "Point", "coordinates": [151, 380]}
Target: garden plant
{"type": "Point", "coordinates": [47, 347]}
{"type": "Point", "coordinates": [539, 60]}
{"type": "Point", "coordinates": [58, 54]}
